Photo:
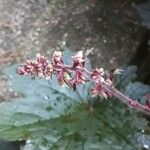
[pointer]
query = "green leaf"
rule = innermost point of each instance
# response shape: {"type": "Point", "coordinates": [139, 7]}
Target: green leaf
{"type": "Point", "coordinates": [137, 91]}
{"type": "Point", "coordinates": [52, 117]}
{"type": "Point", "coordinates": [134, 89]}
{"type": "Point", "coordinates": [128, 75]}
{"type": "Point", "coordinates": [41, 100]}
{"type": "Point", "coordinates": [82, 129]}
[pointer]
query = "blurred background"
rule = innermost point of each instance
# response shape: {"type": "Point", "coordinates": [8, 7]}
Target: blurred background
{"type": "Point", "coordinates": [117, 30]}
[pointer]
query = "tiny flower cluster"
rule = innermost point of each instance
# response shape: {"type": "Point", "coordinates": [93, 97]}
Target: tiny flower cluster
{"type": "Point", "coordinates": [76, 74]}
{"type": "Point", "coordinates": [40, 67]}
{"type": "Point", "coordinates": [70, 75]}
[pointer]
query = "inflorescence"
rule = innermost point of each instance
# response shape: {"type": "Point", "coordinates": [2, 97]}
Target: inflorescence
{"type": "Point", "coordinates": [76, 74]}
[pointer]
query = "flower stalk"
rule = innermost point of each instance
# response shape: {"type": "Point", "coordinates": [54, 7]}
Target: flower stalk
{"type": "Point", "coordinates": [76, 73]}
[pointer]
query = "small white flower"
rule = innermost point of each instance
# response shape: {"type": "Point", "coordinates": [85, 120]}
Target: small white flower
{"type": "Point", "coordinates": [57, 55]}
{"type": "Point", "coordinates": [118, 71]}
{"type": "Point", "coordinates": [38, 55]}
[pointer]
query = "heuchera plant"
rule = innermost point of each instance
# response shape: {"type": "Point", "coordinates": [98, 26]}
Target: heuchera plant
{"type": "Point", "coordinates": [76, 73]}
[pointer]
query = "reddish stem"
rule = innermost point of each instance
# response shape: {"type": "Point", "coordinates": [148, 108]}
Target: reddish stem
{"type": "Point", "coordinates": [125, 99]}
{"type": "Point", "coordinates": [41, 67]}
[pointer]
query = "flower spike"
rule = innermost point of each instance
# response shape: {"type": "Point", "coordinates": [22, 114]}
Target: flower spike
{"type": "Point", "coordinates": [76, 74]}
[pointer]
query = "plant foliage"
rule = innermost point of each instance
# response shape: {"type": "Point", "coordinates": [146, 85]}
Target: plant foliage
{"type": "Point", "coordinates": [48, 116]}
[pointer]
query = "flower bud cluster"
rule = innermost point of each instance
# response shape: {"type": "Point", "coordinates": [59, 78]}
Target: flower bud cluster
{"type": "Point", "coordinates": [76, 74]}
{"type": "Point", "coordinates": [40, 67]}
{"type": "Point", "coordinates": [98, 76]}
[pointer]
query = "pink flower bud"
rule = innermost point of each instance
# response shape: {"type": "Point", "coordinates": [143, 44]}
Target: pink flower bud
{"type": "Point", "coordinates": [96, 73]}
{"type": "Point", "coordinates": [57, 56]}
{"type": "Point", "coordinates": [78, 59]}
